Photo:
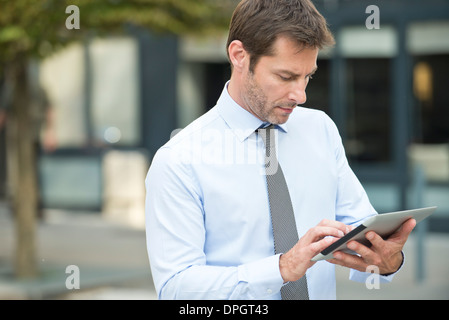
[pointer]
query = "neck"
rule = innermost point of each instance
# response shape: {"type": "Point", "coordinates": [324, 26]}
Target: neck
{"type": "Point", "coordinates": [235, 91]}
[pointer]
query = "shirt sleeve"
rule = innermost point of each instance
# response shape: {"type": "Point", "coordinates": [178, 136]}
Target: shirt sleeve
{"type": "Point", "coordinates": [352, 204]}
{"type": "Point", "coordinates": [176, 237]}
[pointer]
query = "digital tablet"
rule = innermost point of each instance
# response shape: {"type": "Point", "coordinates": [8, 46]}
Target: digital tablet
{"type": "Point", "coordinates": [383, 224]}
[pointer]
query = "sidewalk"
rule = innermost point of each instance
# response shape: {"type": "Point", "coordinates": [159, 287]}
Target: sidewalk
{"type": "Point", "coordinates": [112, 259]}
{"type": "Point", "coordinates": [113, 263]}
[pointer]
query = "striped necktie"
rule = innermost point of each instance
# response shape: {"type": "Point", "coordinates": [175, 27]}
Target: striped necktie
{"type": "Point", "coordinates": [283, 222]}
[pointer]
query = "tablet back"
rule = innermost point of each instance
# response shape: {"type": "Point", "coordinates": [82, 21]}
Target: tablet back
{"type": "Point", "coordinates": [383, 224]}
{"type": "Point", "coordinates": [387, 223]}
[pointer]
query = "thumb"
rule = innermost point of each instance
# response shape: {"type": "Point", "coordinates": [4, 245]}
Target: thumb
{"type": "Point", "coordinates": [317, 247]}
{"type": "Point", "coordinates": [404, 231]}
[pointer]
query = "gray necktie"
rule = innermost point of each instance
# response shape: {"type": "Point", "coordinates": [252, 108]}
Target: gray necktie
{"type": "Point", "coordinates": [285, 233]}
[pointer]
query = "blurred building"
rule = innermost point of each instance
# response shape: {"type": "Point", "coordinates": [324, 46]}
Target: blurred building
{"type": "Point", "coordinates": [117, 100]}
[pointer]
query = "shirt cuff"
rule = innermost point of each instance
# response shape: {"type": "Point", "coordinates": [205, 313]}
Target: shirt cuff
{"type": "Point", "coordinates": [262, 276]}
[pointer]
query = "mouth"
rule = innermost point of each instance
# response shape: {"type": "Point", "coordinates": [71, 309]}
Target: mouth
{"type": "Point", "coordinates": [288, 109]}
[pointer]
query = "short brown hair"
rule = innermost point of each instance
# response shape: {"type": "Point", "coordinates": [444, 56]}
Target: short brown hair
{"type": "Point", "coordinates": [258, 23]}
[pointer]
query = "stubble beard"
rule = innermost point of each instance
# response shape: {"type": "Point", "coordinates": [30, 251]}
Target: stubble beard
{"type": "Point", "coordinates": [257, 103]}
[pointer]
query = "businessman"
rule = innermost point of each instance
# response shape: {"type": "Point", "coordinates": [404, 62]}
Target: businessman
{"type": "Point", "coordinates": [219, 224]}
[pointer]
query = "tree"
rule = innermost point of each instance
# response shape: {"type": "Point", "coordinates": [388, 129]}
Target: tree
{"type": "Point", "coordinates": [30, 28]}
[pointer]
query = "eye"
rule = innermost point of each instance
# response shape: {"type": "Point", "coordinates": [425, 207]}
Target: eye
{"type": "Point", "coordinates": [285, 78]}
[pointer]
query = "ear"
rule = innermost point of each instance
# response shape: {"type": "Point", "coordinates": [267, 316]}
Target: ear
{"type": "Point", "coordinates": [238, 55]}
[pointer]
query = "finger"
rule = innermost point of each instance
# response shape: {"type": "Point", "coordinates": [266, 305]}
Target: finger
{"type": "Point", "coordinates": [378, 253]}
{"type": "Point", "coordinates": [317, 247]}
{"type": "Point", "coordinates": [335, 224]}
{"type": "Point", "coordinates": [407, 227]}
{"type": "Point", "coordinates": [349, 261]}
{"type": "Point", "coordinates": [375, 240]}
{"type": "Point", "coordinates": [366, 253]}
{"type": "Point", "coordinates": [316, 233]}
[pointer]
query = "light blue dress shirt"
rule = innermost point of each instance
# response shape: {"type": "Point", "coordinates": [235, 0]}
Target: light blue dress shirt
{"type": "Point", "coordinates": [208, 221]}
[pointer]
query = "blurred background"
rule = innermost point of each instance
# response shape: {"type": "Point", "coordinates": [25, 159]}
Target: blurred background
{"type": "Point", "coordinates": [82, 112]}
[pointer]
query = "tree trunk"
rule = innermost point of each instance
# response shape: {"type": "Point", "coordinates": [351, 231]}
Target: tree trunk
{"type": "Point", "coordinates": [22, 170]}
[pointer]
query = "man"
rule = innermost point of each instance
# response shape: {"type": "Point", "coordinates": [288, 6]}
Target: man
{"type": "Point", "coordinates": [209, 230]}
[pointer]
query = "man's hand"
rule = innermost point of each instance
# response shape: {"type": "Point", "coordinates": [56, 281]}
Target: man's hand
{"type": "Point", "coordinates": [385, 254]}
{"type": "Point", "coordinates": [294, 264]}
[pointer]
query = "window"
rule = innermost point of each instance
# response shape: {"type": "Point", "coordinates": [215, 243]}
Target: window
{"type": "Point", "coordinates": [108, 112]}
{"type": "Point", "coordinates": [115, 92]}
{"type": "Point", "coordinates": [368, 110]}
{"type": "Point", "coordinates": [318, 88]}
{"type": "Point", "coordinates": [62, 76]}
{"type": "Point", "coordinates": [431, 97]}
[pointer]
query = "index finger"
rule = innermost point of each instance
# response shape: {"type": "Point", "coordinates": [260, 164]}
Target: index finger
{"type": "Point", "coordinates": [335, 224]}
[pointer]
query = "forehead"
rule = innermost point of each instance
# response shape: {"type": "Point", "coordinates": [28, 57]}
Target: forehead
{"type": "Point", "coordinates": [288, 54]}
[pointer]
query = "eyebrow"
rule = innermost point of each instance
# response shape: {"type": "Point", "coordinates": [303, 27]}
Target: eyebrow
{"type": "Point", "coordinates": [295, 75]}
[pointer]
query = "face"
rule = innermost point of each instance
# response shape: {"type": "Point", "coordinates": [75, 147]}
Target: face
{"type": "Point", "coordinates": [278, 83]}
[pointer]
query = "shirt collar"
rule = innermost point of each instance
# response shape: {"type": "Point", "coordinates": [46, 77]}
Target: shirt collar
{"type": "Point", "coordinates": [240, 121]}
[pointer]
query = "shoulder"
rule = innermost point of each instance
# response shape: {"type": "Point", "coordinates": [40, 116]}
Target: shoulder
{"type": "Point", "coordinates": [184, 146]}
{"type": "Point", "coordinates": [312, 119]}
{"type": "Point", "coordinates": [204, 122]}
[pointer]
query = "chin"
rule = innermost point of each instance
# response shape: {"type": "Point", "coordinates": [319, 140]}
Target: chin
{"type": "Point", "coordinates": [280, 119]}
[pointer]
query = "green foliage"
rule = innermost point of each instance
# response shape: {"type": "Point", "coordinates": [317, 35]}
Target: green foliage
{"type": "Point", "coordinates": [38, 27]}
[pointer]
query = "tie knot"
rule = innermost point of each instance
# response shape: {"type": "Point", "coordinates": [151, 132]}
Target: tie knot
{"type": "Point", "coordinates": [266, 126]}
{"type": "Point", "coordinates": [265, 131]}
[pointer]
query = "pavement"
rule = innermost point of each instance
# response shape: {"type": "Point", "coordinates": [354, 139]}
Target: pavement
{"type": "Point", "coordinates": [113, 264]}
{"type": "Point", "coordinates": [111, 259]}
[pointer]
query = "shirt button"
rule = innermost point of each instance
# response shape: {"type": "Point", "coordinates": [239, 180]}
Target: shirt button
{"type": "Point", "coordinates": [269, 291]}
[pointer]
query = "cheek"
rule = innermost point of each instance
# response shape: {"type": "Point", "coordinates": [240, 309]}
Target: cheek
{"type": "Point", "coordinates": [276, 92]}
{"type": "Point", "coordinates": [269, 85]}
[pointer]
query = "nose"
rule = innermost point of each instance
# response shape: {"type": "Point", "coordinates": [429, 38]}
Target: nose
{"type": "Point", "coordinates": [298, 93]}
